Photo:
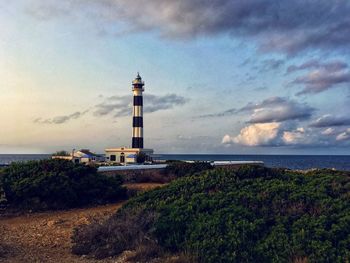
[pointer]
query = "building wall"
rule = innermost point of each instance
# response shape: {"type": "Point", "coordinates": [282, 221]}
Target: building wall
{"type": "Point", "coordinates": [126, 151]}
{"type": "Point", "coordinates": [117, 155]}
{"type": "Point", "coordinates": [68, 158]}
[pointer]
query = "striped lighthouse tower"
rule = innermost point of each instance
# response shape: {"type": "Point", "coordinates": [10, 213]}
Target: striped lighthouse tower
{"type": "Point", "coordinates": [137, 118]}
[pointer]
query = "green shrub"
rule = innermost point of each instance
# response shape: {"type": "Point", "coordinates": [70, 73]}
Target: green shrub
{"type": "Point", "coordinates": [180, 169]}
{"type": "Point", "coordinates": [3, 251]}
{"type": "Point", "coordinates": [170, 173]}
{"type": "Point", "coordinates": [252, 214]}
{"type": "Point", "coordinates": [57, 184]}
{"type": "Point", "coordinates": [141, 157]}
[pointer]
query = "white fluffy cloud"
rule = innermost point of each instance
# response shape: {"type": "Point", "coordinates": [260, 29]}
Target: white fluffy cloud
{"type": "Point", "coordinates": [294, 137]}
{"type": "Point", "coordinates": [255, 134]}
{"type": "Point", "coordinates": [344, 136]}
{"type": "Point", "coordinates": [227, 139]}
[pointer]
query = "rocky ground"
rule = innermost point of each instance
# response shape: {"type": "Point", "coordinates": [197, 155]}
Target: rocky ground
{"type": "Point", "coordinates": [45, 237]}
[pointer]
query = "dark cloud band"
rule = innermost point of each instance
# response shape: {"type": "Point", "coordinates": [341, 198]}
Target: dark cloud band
{"type": "Point", "coordinates": [321, 24]}
{"type": "Point", "coordinates": [330, 121]}
{"type": "Point", "coordinates": [121, 105]}
{"type": "Point", "coordinates": [61, 119]}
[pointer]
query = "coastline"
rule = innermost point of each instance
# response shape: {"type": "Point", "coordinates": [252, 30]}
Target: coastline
{"type": "Point", "coordinates": [294, 162]}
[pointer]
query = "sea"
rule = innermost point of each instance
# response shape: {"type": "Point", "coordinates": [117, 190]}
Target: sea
{"type": "Point", "coordinates": [298, 162]}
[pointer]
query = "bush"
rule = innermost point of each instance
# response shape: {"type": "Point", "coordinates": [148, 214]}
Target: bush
{"type": "Point", "coordinates": [146, 252]}
{"type": "Point", "coordinates": [141, 157]}
{"type": "Point", "coordinates": [3, 251]}
{"type": "Point", "coordinates": [57, 184]}
{"type": "Point", "coordinates": [170, 173]}
{"type": "Point", "coordinates": [249, 214]}
{"type": "Point", "coordinates": [148, 176]}
{"type": "Point", "coordinates": [129, 230]}
{"type": "Point", "coordinates": [180, 169]}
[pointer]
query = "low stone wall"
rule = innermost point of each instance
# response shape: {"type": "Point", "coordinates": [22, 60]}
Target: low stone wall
{"type": "Point", "coordinates": [160, 175]}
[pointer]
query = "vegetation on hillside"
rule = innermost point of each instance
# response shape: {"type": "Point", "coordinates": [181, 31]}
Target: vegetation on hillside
{"type": "Point", "coordinates": [175, 169]}
{"type": "Point", "coordinates": [180, 169]}
{"type": "Point", "coordinates": [246, 215]}
{"type": "Point", "coordinates": [57, 184]}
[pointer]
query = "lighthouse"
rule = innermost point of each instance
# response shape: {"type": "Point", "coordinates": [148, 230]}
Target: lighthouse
{"type": "Point", "coordinates": [137, 113]}
{"type": "Point", "coordinates": [126, 155]}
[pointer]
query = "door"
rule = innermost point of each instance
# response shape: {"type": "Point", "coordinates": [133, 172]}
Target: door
{"type": "Point", "coordinates": [122, 158]}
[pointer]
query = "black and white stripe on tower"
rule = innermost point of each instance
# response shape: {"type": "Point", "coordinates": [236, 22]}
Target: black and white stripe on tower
{"type": "Point", "coordinates": [137, 119]}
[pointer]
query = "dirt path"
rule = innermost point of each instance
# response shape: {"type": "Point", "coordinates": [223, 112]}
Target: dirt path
{"type": "Point", "coordinates": [45, 237]}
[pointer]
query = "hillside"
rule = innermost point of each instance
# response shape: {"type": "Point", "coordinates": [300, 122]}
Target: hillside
{"type": "Point", "coordinates": [46, 236]}
{"type": "Point", "coordinates": [253, 214]}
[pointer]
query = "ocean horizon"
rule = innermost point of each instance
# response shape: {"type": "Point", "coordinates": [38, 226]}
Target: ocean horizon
{"type": "Point", "coordinates": [299, 162]}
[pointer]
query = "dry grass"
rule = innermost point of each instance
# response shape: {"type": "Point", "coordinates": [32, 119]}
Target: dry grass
{"type": "Point", "coordinates": [300, 260]}
{"type": "Point", "coordinates": [146, 252]}
{"type": "Point", "coordinates": [127, 231]}
{"type": "Point", "coordinates": [143, 186]}
{"type": "Point", "coordinates": [46, 236]}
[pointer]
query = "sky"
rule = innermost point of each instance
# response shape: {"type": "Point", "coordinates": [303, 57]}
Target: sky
{"type": "Point", "coordinates": [225, 76]}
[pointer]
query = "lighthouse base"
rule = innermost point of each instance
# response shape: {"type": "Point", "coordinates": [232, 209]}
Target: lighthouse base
{"type": "Point", "coordinates": [126, 155]}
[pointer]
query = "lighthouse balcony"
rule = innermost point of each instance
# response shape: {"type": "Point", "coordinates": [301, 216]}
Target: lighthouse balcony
{"type": "Point", "coordinates": [138, 88]}
{"type": "Point", "coordinates": [138, 82]}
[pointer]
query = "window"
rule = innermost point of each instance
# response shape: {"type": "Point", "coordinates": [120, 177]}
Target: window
{"type": "Point", "coordinates": [113, 158]}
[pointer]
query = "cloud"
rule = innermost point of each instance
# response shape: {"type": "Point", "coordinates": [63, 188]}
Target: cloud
{"type": "Point", "coordinates": [271, 64]}
{"type": "Point", "coordinates": [321, 76]}
{"type": "Point", "coordinates": [323, 24]}
{"type": "Point", "coordinates": [344, 136]}
{"type": "Point", "coordinates": [282, 135]}
{"type": "Point", "coordinates": [122, 105]}
{"type": "Point", "coordinates": [227, 139]}
{"type": "Point", "coordinates": [156, 103]}
{"type": "Point", "coordinates": [61, 119]}
{"type": "Point", "coordinates": [276, 122]}
{"type": "Point", "coordinates": [294, 137]}
{"type": "Point", "coordinates": [261, 88]}
{"type": "Point", "coordinates": [273, 109]}
{"type": "Point", "coordinates": [328, 131]}
{"type": "Point", "coordinates": [228, 112]}
{"type": "Point", "coordinates": [334, 65]}
{"type": "Point", "coordinates": [259, 134]}
{"type": "Point", "coordinates": [119, 105]}
{"type": "Point", "coordinates": [277, 109]}
{"type": "Point", "coordinates": [330, 121]}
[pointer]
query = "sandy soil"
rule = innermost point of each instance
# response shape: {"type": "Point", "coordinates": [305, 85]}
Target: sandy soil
{"type": "Point", "coordinates": [45, 237]}
{"type": "Point", "coordinates": [143, 186]}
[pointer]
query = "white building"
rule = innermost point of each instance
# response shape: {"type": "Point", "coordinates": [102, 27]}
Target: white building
{"type": "Point", "coordinates": [125, 155]}
{"type": "Point", "coordinates": [81, 156]}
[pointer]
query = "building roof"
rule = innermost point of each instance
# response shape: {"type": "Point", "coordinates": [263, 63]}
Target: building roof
{"type": "Point", "coordinates": [87, 152]}
{"type": "Point", "coordinates": [138, 80]}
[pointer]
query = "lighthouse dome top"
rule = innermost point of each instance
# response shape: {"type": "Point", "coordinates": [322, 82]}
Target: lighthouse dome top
{"type": "Point", "coordinates": [138, 80]}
